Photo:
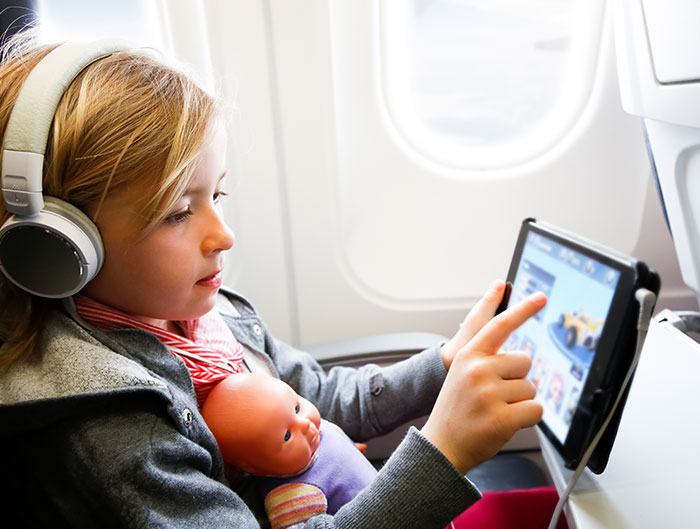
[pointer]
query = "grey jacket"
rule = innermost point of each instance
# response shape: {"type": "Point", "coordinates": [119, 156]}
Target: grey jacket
{"type": "Point", "coordinates": [102, 430]}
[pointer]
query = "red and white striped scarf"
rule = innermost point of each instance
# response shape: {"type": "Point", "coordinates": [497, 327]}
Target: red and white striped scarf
{"type": "Point", "coordinates": [209, 349]}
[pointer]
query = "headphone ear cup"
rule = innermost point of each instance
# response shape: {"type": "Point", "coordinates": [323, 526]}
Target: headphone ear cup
{"type": "Point", "coordinates": [80, 219]}
{"type": "Point", "coordinates": [53, 254]}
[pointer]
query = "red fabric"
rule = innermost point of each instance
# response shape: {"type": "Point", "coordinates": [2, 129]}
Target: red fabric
{"type": "Point", "coordinates": [208, 337]}
{"type": "Point", "coordinates": [512, 509]}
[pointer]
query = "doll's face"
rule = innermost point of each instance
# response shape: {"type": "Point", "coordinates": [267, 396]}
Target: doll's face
{"type": "Point", "coordinates": [262, 425]}
{"type": "Point", "coordinates": [290, 434]}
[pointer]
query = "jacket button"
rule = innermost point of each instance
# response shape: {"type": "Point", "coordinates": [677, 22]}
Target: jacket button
{"type": "Point", "coordinates": [187, 417]}
{"type": "Point", "coordinates": [376, 384]}
{"type": "Point", "coordinates": [257, 329]}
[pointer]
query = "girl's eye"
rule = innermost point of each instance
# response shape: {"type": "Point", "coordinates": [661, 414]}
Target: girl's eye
{"type": "Point", "coordinates": [179, 216]}
{"type": "Point", "coordinates": [219, 195]}
{"type": "Point", "coordinates": [287, 436]}
{"type": "Point", "coordinates": [296, 408]}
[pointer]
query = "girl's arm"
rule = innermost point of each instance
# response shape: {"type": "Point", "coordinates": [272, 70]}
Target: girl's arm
{"type": "Point", "coordinates": [365, 402]}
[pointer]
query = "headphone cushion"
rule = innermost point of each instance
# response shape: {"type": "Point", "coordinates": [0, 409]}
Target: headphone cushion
{"type": "Point", "coordinates": [80, 219]}
{"type": "Point", "coordinates": [53, 254]}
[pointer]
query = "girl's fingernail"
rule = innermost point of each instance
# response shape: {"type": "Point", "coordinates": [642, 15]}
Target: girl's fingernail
{"type": "Point", "coordinates": [497, 285]}
{"type": "Point", "coordinates": [537, 297]}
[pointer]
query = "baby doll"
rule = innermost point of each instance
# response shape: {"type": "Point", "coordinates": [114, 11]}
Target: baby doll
{"type": "Point", "coordinates": [305, 465]}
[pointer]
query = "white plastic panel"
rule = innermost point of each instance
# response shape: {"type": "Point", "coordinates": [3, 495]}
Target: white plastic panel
{"type": "Point", "coordinates": [677, 160]}
{"type": "Point", "coordinates": [673, 38]}
{"type": "Point", "coordinates": [259, 265]}
{"type": "Point", "coordinates": [342, 229]}
{"type": "Point", "coordinates": [383, 240]}
{"type": "Point", "coordinates": [415, 232]}
{"type": "Point", "coordinates": [642, 93]}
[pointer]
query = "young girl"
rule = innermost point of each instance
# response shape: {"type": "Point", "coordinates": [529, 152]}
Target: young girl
{"type": "Point", "coordinates": [99, 404]}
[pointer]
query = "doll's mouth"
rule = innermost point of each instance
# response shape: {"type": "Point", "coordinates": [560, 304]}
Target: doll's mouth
{"type": "Point", "coordinates": [317, 439]}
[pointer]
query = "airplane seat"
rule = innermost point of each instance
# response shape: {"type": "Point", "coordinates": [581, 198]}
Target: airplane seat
{"type": "Point", "coordinates": [508, 471]}
{"type": "Point", "coordinates": [379, 349]}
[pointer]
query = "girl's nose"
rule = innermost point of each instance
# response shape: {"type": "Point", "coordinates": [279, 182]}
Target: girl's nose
{"type": "Point", "coordinates": [219, 237]}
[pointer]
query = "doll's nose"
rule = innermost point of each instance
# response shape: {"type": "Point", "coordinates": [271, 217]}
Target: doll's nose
{"type": "Point", "coordinates": [309, 427]}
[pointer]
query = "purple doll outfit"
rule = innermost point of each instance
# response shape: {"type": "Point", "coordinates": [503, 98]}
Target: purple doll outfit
{"type": "Point", "coordinates": [340, 470]}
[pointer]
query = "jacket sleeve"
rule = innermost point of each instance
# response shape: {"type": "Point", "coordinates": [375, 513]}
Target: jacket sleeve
{"type": "Point", "coordinates": [126, 465]}
{"type": "Point", "coordinates": [366, 401]}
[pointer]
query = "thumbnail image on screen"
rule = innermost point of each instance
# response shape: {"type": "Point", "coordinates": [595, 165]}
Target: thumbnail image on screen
{"type": "Point", "coordinates": [562, 338]}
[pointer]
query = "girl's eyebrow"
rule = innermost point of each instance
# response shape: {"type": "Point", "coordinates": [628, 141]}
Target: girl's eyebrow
{"type": "Point", "coordinates": [196, 190]}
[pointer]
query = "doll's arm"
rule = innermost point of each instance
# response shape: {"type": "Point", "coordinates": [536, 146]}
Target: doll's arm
{"type": "Point", "coordinates": [294, 503]}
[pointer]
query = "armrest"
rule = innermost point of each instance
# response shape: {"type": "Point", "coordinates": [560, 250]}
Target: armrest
{"type": "Point", "coordinates": [381, 348]}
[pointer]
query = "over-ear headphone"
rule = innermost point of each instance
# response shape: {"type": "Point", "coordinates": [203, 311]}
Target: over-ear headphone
{"type": "Point", "coordinates": [47, 247]}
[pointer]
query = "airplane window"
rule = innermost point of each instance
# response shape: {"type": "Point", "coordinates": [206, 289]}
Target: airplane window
{"type": "Point", "coordinates": [479, 83]}
{"type": "Point", "coordinates": [134, 20]}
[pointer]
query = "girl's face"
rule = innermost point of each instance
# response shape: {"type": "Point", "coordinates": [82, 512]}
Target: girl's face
{"type": "Point", "coordinates": [173, 273]}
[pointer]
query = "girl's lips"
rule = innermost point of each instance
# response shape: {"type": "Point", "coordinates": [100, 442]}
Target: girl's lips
{"type": "Point", "coordinates": [212, 281]}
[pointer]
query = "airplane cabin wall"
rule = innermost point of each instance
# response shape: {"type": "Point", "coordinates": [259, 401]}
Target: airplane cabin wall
{"type": "Point", "coordinates": [344, 230]}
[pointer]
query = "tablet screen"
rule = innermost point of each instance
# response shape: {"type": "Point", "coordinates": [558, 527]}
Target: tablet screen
{"type": "Point", "coordinates": [562, 338]}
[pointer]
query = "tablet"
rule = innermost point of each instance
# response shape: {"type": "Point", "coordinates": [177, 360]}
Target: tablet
{"type": "Point", "coordinates": [582, 343]}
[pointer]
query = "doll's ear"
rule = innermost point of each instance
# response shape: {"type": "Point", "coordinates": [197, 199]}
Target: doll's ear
{"type": "Point", "coordinates": [309, 501]}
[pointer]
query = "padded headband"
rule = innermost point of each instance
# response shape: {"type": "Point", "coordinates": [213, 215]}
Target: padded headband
{"type": "Point", "coordinates": [30, 120]}
{"type": "Point", "coordinates": [48, 248]}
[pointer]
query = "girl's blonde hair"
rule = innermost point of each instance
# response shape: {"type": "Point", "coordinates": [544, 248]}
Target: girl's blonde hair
{"type": "Point", "coordinates": [126, 122]}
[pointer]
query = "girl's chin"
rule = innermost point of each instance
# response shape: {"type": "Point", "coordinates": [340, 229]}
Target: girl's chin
{"type": "Point", "coordinates": [196, 310]}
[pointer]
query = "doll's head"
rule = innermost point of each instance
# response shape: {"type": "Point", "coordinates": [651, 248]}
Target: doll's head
{"type": "Point", "coordinates": [262, 426]}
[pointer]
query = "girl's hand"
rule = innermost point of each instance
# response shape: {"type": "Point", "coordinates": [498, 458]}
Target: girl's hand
{"type": "Point", "coordinates": [481, 313]}
{"type": "Point", "coordinates": [485, 398]}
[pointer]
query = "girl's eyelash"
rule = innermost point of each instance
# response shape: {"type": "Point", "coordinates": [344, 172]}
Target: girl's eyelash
{"type": "Point", "coordinates": [182, 215]}
{"type": "Point", "coordinates": [179, 216]}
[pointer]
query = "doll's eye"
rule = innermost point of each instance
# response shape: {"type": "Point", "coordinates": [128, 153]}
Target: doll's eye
{"type": "Point", "coordinates": [296, 408]}
{"type": "Point", "coordinates": [287, 436]}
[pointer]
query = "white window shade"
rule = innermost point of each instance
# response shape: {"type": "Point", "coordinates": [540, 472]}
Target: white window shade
{"type": "Point", "coordinates": [484, 83]}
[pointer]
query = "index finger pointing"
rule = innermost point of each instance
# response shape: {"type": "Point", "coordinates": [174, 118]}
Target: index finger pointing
{"type": "Point", "coordinates": [494, 334]}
